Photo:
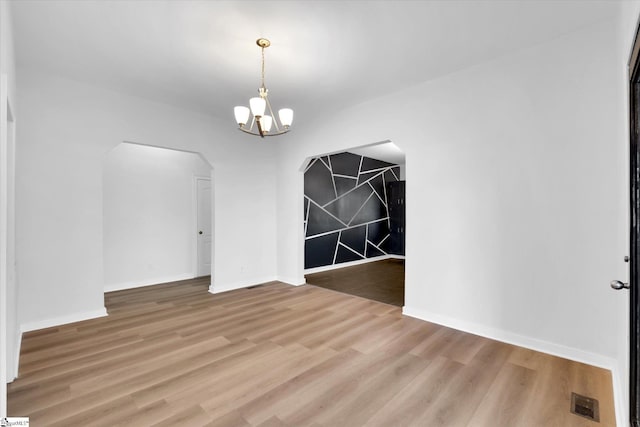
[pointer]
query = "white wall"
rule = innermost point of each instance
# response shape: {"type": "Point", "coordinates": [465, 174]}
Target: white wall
{"type": "Point", "coordinates": [515, 183]}
{"type": "Point", "coordinates": [9, 332]}
{"type": "Point", "coordinates": [149, 215]}
{"type": "Point", "coordinates": [67, 129]}
{"type": "Point", "coordinates": [7, 55]}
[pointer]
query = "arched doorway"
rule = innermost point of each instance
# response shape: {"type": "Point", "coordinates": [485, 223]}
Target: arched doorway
{"type": "Point", "coordinates": [151, 213]}
{"type": "Point", "coordinates": [354, 221]}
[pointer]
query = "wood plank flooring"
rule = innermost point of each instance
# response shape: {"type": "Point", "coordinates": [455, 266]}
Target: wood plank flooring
{"type": "Point", "coordinates": [278, 355]}
{"type": "Point", "coordinates": [380, 280]}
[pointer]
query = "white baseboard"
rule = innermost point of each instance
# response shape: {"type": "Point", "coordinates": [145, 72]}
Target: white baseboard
{"type": "Point", "coordinates": [618, 398]}
{"type": "Point", "coordinates": [292, 281]}
{"type": "Point", "coordinates": [217, 288]}
{"type": "Point", "coordinates": [350, 263]}
{"type": "Point", "coordinates": [515, 339]}
{"type": "Point", "coordinates": [146, 282]}
{"type": "Point", "coordinates": [62, 320]}
{"type": "Point", "coordinates": [13, 374]}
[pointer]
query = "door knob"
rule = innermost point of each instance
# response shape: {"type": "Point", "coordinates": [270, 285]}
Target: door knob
{"type": "Point", "coordinates": [200, 232]}
{"type": "Point", "coordinates": [617, 285]}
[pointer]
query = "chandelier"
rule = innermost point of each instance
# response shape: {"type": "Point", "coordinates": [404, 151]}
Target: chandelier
{"type": "Point", "coordinates": [262, 115]}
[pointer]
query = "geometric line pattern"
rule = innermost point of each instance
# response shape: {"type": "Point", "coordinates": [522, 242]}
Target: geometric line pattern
{"type": "Point", "coordinates": [360, 209]}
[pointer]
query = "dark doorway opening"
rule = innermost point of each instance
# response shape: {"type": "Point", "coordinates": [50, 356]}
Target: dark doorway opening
{"type": "Point", "coordinates": [354, 214]}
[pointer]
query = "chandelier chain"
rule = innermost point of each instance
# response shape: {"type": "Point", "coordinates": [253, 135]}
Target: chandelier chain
{"type": "Point", "coordinates": [263, 86]}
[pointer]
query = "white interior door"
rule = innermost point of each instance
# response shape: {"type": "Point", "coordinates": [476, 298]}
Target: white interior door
{"type": "Point", "coordinates": [204, 234]}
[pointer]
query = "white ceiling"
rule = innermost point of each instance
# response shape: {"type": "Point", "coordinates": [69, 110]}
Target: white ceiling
{"type": "Point", "coordinates": [325, 55]}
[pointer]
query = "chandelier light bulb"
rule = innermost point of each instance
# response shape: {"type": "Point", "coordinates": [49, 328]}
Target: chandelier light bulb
{"type": "Point", "coordinates": [258, 106]}
{"type": "Point", "coordinates": [267, 121]}
{"type": "Point", "coordinates": [286, 117]}
{"type": "Point", "coordinates": [242, 115]}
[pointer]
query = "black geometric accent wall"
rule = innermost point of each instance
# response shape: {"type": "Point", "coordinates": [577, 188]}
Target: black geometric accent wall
{"type": "Point", "coordinates": [345, 208]}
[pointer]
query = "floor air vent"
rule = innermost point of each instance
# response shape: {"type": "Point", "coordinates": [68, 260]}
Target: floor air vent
{"type": "Point", "coordinates": [585, 407]}
{"type": "Point", "coordinates": [254, 286]}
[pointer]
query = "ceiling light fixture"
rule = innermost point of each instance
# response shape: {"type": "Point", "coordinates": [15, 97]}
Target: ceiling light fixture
{"type": "Point", "coordinates": [261, 105]}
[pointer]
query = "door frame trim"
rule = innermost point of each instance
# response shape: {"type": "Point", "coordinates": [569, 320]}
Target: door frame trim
{"type": "Point", "coordinates": [634, 237]}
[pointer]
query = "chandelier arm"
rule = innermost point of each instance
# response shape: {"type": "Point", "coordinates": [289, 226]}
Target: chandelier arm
{"type": "Point", "coordinates": [259, 122]}
{"type": "Point", "coordinates": [282, 132]}
{"type": "Point", "coordinates": [274, 120]}
{"type": "Point", "coordinates": [276, 133]}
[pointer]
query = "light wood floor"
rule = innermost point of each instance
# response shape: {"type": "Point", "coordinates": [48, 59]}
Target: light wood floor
{"type": "Point", "coordinates": [279, 355]}
{"type": "Point", "coordinates": [380, 280]}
